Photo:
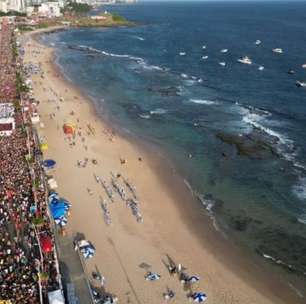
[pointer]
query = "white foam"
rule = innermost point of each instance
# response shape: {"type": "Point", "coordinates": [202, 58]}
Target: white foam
{"type": "Point", "coordinates": [300, 190]}
{"type": "Point", "coordinates": [144, 116]}
{"type": "Point", "coordinates": [139, 38]}
{"type": "Point", "coordinates": [158, 111]}
{"type": "Point", "coordinates": [202, 101]}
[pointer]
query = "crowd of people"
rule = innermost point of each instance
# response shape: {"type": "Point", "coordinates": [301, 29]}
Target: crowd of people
{"type": "Point", "coordinates": [28, 264]}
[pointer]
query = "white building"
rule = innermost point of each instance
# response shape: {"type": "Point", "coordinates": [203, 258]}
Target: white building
{"type": "Point", "coordinates": [50, 9]}
{"type": "Point", "coordinates": [3, 6]}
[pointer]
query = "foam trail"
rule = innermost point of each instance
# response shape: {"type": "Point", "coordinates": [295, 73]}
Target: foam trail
{"type": "Point", "coordinates": [202, 101]}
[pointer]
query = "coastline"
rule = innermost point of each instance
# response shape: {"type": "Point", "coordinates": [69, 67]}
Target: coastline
{"type": "Point", "coordinates": [225, 279]}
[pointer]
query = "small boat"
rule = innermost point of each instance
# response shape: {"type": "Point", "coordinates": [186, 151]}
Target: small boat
{"type": "Point", "coordinates": [224, 51]}
{"type": "Point", "coordinates": [203, 47]}
{"type": "Point", "coordinates": [304, 66]}
{"type": "Point", "coordinates": [277, 50]}
{"type": "Point", "coordinates": [257, 42]}
{"type": "Point", "coordinates": [261, 68]}
{"type": "Point", "coordinates": [291, 72]}
{"type": "Point", "coordinates": [301, 84]}
{"type": "Point", "coordinates": [205, 57]}
{"type": "Point", "coordinates": [245, 60]}
{"type": "Point", "coordinates": [222, 63]}
{"type": "Point", "coordinates": [182, 53]}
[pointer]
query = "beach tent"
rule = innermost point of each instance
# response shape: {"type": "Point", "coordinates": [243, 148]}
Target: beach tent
{"type": "Point", "coordinates": [56, 297]}
{"type": "Point", "coordinates": [86, 248]}
{"type": "Point", "coordinates": [49, 163]}
{"type": "Point", "coordinates": [199, 297]}
{"type": "Point", "coordinates": [69, 128]}
{"type": "Point", "coordinates": [46, 243]}
{"type": "Point", "coordinates": [44, 147]}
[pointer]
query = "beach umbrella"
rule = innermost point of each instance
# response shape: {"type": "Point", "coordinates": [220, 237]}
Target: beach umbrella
{"type": "Point", "coordinates": [193, 279]}
{"type": "Point", "coordinates": [44, 147]}
{"type": "Point", "coordinates": [46, 243]}
{"type": "Point", "coordinates": [199, 297]}
{"type": "Point", "coordinates": [69, 128]}
{"type": "Point", "coordinates": [49, 163]}
{"type": "Point", "coordinates": [151, 276]}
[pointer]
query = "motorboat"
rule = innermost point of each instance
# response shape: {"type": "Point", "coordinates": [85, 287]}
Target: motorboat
{"type": "Point", "coordinates": [291, 72]}
{"type": "Point", "coordinates": [224, 51]}
{"type": "Point", "coordinates": [277, 50]}
{"type": "Point", "coordinates": [257, 42]}
{"type": "Point", "coordinates": [301, 84]}
{"type": "Point", "coordinates": [261, 68]}
{"type": "Point", "coordinates": [205, 57]}
{"type": "Point", "coordinates": [182, 53]}
{"type": "Point", "coordinates": [245, 60]}
{"type": "Point", "coordinates": [222, 63]}
{"type": "Point", "coordinates": [203, 47]}
{"type": "Point", "coordinates": [304, 66]}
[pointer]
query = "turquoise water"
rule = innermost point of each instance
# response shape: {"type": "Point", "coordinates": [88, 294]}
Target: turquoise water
{"type": "Point", "coordinates": [235, 132]}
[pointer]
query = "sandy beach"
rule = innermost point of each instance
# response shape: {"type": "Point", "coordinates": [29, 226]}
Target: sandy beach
{"type": "Point", "coordinates": [172, 224]}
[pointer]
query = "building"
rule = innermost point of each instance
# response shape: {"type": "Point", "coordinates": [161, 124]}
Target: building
{"type": "Point", "coordinates": [3, 6]}
{"type": "Point", "coordinates": [49, 9]}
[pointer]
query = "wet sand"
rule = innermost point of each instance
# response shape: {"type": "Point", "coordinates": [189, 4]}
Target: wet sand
{"type": "Point", "coordinates": [173, 222]}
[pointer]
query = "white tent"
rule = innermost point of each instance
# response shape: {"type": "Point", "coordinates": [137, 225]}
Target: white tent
{"type": "Point", "coordinates": [56, 297]}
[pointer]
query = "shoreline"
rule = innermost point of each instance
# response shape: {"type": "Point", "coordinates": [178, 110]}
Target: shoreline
{"type": "Point", "coordinates": [197, 222]}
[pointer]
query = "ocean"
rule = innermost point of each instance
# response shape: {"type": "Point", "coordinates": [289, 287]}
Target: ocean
{"type": "Point", "coordinates": [235, 131]}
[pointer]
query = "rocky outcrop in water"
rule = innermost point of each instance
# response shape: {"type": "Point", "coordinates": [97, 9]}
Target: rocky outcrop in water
{"type": "Point", "coordinates": [168, 91]}
{"type": "Point", "coordinates": [255, 145]}
{"type": "Point", "coordinates": [284, 249]}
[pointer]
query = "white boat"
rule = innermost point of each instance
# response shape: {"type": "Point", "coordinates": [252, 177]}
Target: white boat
{"type": "Point", "coordinates": [257, 42]}
{"type": "Point", "coordinates": [205, 57]}
{"type": "Point", "coordinates": [304, 66]}
{"type": "Point", "coordinates": [182, 53]}
{"type": "Point", "coordinates": [222, 63]}
{"type": "Point", "coordinates": [203, 47]}
{"type": "Point", "coordinates": [245, 60]}
{"type": "Point", "coordinates": [224, 51]}
{"type": "Point", "coordinates": [261, 68]}
{"type": "Point", "coordinates": [277, 50]}
{"type": "Point", "coordinates": [301, 84]}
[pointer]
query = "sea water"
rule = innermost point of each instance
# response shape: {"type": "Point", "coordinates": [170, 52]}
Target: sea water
{"type": "Point", "coordinates": [236, 133]}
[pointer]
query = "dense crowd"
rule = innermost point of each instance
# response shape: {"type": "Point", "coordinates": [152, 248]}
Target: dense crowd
{"type": "Point", "coordinates": [27, 269]}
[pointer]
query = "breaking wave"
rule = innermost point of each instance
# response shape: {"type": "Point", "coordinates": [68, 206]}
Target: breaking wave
{"type": "Point", "coordinates": [202, 101]}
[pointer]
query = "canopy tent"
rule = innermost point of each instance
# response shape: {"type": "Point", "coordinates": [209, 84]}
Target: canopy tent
{"type": "Point", "coordinates": [49, 163]}
{"type": "Point", "coordinates": [56, 297]}
{"type": "Point", "coordinates": [86, 248]}
{"type": "Point", "coordinates": [59, 208]}
{"type": "Point", "coordinates": [69, 128]}
{"type": "Point", "coordinates": [46, 243]}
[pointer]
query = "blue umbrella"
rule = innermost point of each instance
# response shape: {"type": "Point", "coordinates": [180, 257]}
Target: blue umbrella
{"type": "Point", "coordinates": [199, 297]}
{"type": "Point", "coordinates": [49, 163]}
{"type": "Point", "coordinates": [57, 210]}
